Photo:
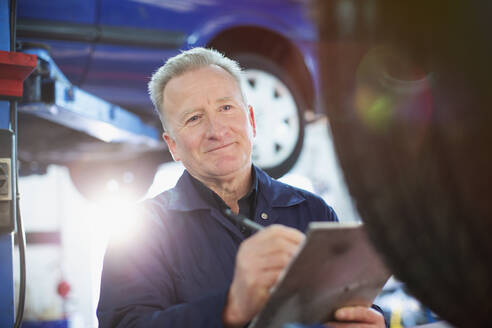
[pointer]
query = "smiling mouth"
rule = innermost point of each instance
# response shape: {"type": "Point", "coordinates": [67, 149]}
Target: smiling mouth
{"type": "Point", "coordinates": [219, 148]}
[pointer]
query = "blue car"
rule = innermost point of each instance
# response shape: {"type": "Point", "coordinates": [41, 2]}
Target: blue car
{"type": "Point", "coordinates": [109, 48]}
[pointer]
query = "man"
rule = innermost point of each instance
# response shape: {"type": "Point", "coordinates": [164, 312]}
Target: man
{"type": "Point", "coordinates": [189, 266]}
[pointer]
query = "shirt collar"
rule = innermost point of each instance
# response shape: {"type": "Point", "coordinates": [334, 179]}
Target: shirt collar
{"type": "Point", "coordinates": [185, 197]}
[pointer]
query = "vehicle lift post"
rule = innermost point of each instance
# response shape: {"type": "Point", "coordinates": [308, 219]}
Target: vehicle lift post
{"type": "Point", "coordinates": [6, 239]}
{"type": "Point", "coordinates": [14, 68]}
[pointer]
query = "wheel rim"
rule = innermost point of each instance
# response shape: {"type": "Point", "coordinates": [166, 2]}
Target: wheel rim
{"type": "Point", "coordinates": [276, 117]}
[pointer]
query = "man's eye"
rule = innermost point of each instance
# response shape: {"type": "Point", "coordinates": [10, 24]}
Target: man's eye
{"type": "Point", "coordinates": [192, 119]}
{"type": "Point", "coordinates": [226, 107]}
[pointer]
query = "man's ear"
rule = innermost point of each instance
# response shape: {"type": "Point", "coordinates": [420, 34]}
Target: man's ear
{"type": "Point", "coordinates": [171, 144]}
{"type": "Point", "coordinates": [251, 116]}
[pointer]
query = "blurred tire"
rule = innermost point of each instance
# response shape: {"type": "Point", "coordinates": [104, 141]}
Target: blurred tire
{"type": "Point", "coordinates": [408, 98]}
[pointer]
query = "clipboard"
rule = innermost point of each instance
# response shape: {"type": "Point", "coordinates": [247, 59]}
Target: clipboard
{"type": "Point", "coordinates": [335, 267]}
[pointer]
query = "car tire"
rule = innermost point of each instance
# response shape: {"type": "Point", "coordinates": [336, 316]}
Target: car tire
{"type": "Point", "coordinates": [279, 113]}
{"type": "Point", "coordinates": [411, 125]}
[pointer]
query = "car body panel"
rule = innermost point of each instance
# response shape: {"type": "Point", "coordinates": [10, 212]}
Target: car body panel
{"type": "Point", "coordinates": [112, 67]}
{"type": "Point", "coordinates": [110, 48]}
{"type": "Point", "coordinates": [82, 12]}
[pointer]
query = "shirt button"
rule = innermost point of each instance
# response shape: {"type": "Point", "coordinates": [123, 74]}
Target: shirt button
{"type": "Point", "coordinates": [264, 216]}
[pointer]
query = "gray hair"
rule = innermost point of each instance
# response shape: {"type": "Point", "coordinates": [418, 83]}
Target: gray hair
{"type": "Point", "coordinates": [184, 62]}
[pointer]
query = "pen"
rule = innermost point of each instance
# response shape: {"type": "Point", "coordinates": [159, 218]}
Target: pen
{"type": "Point", "coordinates": [241, 219]}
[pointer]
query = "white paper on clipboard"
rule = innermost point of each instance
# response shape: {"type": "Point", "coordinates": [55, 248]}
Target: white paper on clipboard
{"type": "Point", "coordinates": [336, 266]}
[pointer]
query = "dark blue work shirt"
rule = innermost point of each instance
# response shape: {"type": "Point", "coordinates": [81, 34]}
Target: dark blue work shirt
{"type": "Point", "coordinates": [247, 203]}
{"type": "Point", "coordinates": [177, 269]}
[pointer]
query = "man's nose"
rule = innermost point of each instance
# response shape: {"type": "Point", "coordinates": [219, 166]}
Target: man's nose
{"type": "Point", "coordinates": [215, 128]}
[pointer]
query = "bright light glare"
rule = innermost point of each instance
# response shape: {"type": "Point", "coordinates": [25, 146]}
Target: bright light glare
{"type": "Point", "coordinates": [128, 177]}
{"type": "Point", "coordinates": [117, 221]}
{"type": "Point", "coordinates": [112, 185]}
{"type": "Point", "coordinates": [114, 221]}
{"type": "Point", "coordinates": [165, 178]}
{"type": "Point", "coordinates": [116, 212]}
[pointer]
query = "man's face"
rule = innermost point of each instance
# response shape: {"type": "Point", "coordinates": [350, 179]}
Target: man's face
{"type": "Point", "coordinates": [209, 127]}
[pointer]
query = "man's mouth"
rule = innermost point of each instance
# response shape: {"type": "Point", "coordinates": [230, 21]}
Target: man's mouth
{"type": "Point", "coordinates": [219, 147]}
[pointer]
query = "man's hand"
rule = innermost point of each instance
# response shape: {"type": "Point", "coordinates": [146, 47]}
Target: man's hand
{"type": "Point", "coordinates": [260, 260]}
{"type": "Point", "coordinates": [357, 317]}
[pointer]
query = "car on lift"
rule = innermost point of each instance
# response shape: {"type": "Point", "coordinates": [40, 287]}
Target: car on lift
{"type": "Point", "coordinates": [109, 48]}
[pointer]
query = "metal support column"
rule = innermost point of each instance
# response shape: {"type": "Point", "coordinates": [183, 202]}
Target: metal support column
{"type": "Point", "coordinates": [7, 313]}
{"type": "Point", "coordinates": [14, 68]}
